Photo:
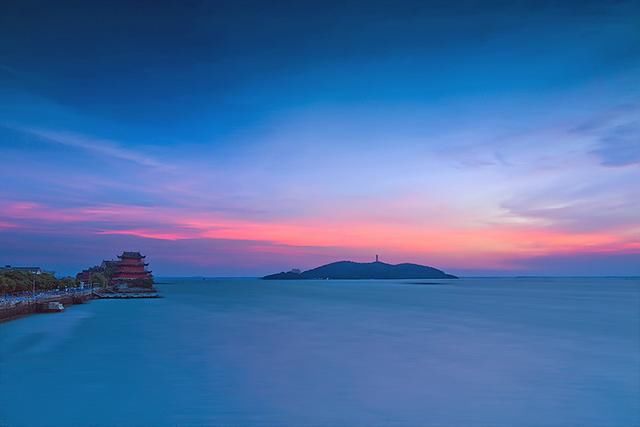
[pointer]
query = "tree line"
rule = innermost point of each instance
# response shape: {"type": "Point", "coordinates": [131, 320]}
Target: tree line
{"type": "Point", "coordinates": [13, 281]}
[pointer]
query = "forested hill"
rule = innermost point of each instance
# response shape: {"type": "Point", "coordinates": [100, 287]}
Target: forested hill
{"type": "Point", "coordinates": [364, 270]}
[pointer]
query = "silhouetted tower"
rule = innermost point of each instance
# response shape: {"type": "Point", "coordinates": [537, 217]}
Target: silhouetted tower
{"type": "Point", "coordinates": [377, 258]}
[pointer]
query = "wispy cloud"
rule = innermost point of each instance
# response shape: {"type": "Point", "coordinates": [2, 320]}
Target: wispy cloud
{"type": "Point", "coordinates": [6, 225]}
{"type": "Point", "coordinates": [101, 147]}
{"type": "Point", "coordinates": [620, 146]}
{"type": "Point", "coordinates": [616, 134]}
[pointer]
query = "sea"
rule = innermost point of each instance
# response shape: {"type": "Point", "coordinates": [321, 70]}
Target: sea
{"type": "Point", "coordinates": [247, 352]}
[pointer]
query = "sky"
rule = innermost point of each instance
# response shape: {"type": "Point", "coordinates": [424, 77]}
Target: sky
{"type": "Point", "coordinates": [249, 137]}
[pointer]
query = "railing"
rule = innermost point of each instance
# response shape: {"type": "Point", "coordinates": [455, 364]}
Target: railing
{"type": "Point", "coordinates": [29, 297]}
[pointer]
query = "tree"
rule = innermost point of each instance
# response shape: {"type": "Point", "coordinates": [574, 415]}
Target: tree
{"type": "Point", "coordinates": [13, 281]}
{"type": "Point", "coordinates": [7, 284]}
{"type": "Point", "coordinates": [68, 282]}
{"type": "Point", "coordinates": [99, 280]}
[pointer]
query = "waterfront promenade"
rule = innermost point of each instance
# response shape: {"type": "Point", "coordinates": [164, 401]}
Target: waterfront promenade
{"type": "Point", "coordinates": [7, 301]}
{"type": "Point", "coordinates": [12, 306]}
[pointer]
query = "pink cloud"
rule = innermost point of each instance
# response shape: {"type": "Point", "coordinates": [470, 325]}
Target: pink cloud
{"type": "Point", "coordinates": [5, 225]}
{"type": "Point", "coordinates": [147, 234]}
{"type": "Point", "coordinates": [488, 245]}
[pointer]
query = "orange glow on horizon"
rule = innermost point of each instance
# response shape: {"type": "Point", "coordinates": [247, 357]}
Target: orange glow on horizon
{"type": "Point", "coordinates": [488, 244]}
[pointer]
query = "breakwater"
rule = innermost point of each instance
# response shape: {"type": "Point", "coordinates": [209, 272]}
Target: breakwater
{"type": "Point", "coordinates": [13, 308]}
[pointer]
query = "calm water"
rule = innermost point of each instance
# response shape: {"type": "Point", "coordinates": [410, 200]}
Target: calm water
{"type": "Point", "coordinates": [473, 352]}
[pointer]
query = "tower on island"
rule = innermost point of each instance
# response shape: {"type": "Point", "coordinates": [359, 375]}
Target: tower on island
{"type": "Point", "coordinates": [130, 271]}
{"type": "Point", "coordinates": [377, 260]}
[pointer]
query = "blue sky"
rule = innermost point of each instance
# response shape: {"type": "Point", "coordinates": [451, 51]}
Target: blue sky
{"type": "Point", "coordinates": [245, 137]}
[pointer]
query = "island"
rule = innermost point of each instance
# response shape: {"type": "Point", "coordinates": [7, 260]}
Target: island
{"type": "Point", "coordinates": [349, 270]}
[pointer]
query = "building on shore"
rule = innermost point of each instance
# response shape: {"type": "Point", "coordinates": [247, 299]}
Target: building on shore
{"type": "Point", "coordinates": [98, 274]}
{"type": "Point", "coordinates": [131, 272]}
{"type": "Point", "coordinates": [84, 277]}
{"type": "Point", "coordinates": [32, 270]}
{"type": "Point", "coordinates": [128, 272]}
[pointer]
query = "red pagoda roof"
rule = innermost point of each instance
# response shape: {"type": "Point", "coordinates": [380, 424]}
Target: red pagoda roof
{"type": "Point", "coordinates": [132, 255]}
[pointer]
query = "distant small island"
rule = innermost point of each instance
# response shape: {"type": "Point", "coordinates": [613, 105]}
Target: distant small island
{"type": "Point", "coordinates": [349, 270]}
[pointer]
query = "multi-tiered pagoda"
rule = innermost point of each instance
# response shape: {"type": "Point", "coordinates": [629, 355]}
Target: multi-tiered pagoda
{"type": "Point", "coordinates": [130, 271]}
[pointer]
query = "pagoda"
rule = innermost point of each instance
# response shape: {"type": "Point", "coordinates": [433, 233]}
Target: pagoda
{"type": "Point", "coordinates": [130, 272]}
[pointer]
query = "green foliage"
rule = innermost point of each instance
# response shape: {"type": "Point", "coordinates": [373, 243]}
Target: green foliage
{"type": "Point", "coordinates": [8, 284]}
{"type": "Point", "coordinates": [99, 279]}
{"type": "Point", "coordinates": [12, 281]}
{"type": "Point", "coordinates": [109, 270]}
{"type": "Point", "coordinates": [67, 282]}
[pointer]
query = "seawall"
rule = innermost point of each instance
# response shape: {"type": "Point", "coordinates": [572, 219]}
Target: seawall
{"type": "Point", "coordinates": [31, 307]}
